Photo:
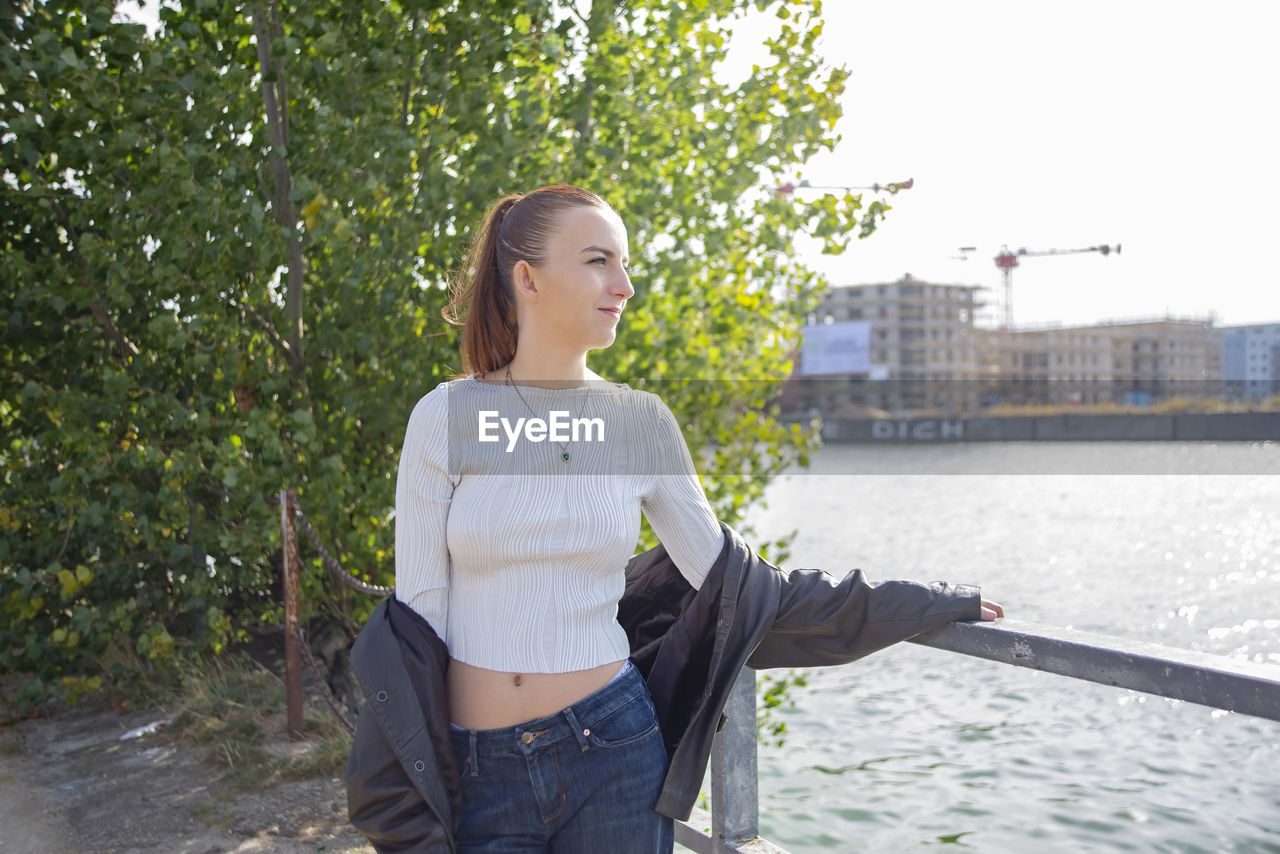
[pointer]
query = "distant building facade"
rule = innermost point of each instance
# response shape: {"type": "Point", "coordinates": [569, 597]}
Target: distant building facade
{"type": "Point", "coordinates": [1250, 361]}
{"type": "Point", "coordinates": [1135, 362]}
{"type": "Point", "coordinates": [923, 350]}
{"type": "Point", "coordinates": [927, 357]}
{"type": "Point", "coordinates": [1050, 365]}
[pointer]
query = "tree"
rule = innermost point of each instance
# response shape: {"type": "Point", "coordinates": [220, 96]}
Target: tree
{"type": "Point", "coordinates": [225, 249]}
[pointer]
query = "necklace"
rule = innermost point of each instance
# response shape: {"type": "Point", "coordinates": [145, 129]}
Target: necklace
{"type": "Point", "coordinates": [564, 449]}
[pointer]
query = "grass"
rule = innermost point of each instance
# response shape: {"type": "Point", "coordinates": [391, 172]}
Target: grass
{"type": "Point", "coordinates": [234, 707]}
{"type": "Point", "coordinates": [9, 744]}
{"type": "Point", "coordinates": [1164, 407]}
{"type": "Point", "coordinates": [229, 704]}
{"type": "Point", "coordinates": [1171, 406]}
{"type": "Point", "coordinates": [217, 812]}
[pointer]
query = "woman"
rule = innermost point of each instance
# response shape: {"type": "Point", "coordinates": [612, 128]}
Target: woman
{"type": "Point", "coordinates": [513, 537]}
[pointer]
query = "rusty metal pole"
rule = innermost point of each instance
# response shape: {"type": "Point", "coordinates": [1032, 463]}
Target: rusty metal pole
{"type": "Point", "coordinates": [292, 655]}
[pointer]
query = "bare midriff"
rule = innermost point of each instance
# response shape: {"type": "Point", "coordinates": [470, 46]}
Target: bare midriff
{"type": "Point", "coordinates": [489, 699]}
{"type": "Point", "coordinates": [480, 698]}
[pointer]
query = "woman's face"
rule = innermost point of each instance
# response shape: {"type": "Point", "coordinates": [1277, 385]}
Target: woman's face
{"type": "Point", "coordinates": [583, 285]}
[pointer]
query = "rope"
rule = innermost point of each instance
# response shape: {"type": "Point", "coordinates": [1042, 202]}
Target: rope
{"type": "Point", "coordinates": [321, 685]}
{"type": "Point", "coordinates": [331, 563]}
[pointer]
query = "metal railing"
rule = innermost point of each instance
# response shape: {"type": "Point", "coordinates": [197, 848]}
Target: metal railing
{"type": "Point", "coordinates": [1245, 687]}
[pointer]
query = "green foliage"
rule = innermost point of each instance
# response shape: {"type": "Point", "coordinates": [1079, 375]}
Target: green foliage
{"type": "Point", "coordinates": [224, 248]}
{"type": "Point", "coordinates": [773, 693]}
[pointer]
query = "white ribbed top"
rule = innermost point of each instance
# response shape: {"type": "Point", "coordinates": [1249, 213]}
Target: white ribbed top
{"type": "Point", "coordinates": [517, 558]}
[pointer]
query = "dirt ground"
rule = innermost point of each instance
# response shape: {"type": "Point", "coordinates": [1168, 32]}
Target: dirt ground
{"type": "Point", "coordinates": [70, 783]}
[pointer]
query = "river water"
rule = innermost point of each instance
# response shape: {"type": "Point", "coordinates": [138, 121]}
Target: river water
{"type": "Point", "coordinates": [912, 748]}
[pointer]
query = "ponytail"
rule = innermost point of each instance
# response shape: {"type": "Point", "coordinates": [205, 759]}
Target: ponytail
{"type": "Point", "coordinates": [516, 227]}
{"type": "Point", "coordinates": [481, 302]}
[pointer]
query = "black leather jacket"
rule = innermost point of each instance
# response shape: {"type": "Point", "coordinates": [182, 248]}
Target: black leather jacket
{"type": "Point", "coordinates": [403, 788]}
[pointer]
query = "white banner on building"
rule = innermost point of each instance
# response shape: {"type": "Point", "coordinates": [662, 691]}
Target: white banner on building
{"type": "Point", "coordinates": [836, 348]}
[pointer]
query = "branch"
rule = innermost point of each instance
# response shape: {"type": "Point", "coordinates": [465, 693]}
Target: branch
{"type": "Point", "coordinates": [123, 178]}
{"type": "Point", "coordinates": [583, 126]}
{"type": "Point", "coordinates": [155, 130]}
{"type": "Point", "coordinates": [413, 65]}
{"type": "Point", "coordinates": [282, 93]}
{"type": "Point", "coordinates": [266, 325]}
{"type": "Point", "coordinates": [67, 539]}
{"type": "Point", "coordinates": [285, 216]}
{"type": "Point", "coordinates": [427, 132]}
{"type": "Point", "coordinates": [127, 348]}
{"type": "Point", "coordinates": [256, 169]}
{"type": "Point", "coordinates": [601, 19]}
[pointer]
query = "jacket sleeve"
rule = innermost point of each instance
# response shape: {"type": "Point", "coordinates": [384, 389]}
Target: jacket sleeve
{"type": "Point", "coordinates": [424, 491]}
{"type": "Point", "coordinates": [382, 801]}
{"type": "Point", "coordinates": [821, 621]}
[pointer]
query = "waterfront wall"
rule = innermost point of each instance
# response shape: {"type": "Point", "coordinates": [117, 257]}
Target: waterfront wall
{"type": "Point", "coordinates": [1227, 426]}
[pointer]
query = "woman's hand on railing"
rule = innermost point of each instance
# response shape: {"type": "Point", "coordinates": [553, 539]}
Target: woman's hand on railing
{"type": "Point", "coordinates": [990, 610]}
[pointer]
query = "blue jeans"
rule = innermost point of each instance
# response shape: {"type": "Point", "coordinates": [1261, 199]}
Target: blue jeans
{"type": "Point", "coordinates": [585, 779]}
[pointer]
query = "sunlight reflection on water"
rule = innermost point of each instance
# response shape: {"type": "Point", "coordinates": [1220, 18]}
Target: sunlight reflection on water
{"type": "Point", "coordinates": [914, 747]}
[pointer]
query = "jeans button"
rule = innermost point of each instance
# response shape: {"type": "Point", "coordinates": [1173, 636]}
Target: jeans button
{"type": "Point", "coordinates": [527, 737]}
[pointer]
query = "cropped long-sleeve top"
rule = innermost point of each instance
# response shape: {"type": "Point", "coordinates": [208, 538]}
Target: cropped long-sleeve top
{"type": "Point", "coordinates": [518, 507]}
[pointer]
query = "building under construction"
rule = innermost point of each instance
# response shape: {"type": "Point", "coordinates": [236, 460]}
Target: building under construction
{"type": "Point", "coordinates": [1134, 362]}
{"type": "Point", "coordinates": [925, 356]}
{"type": "Point", "coordinates": [922, 347]}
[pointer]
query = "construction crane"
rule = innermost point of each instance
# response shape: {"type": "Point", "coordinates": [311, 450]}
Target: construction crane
{"type": "Point", "coordinates": [1007, 260]}
{"type": "Point", "coordinates": [893, 187]}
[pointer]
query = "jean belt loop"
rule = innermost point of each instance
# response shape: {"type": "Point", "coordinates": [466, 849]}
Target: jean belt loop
{"type": "Point", "coordinates": [475, 763]}
{"type": "Point", "coordinates": [578, 732]}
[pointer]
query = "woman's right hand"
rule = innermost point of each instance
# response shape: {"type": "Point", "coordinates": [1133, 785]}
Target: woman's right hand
{"type": "Point", "coordinates": [990, 610]}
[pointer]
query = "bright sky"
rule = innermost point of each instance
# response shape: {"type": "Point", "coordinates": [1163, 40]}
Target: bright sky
{"type": "Point", "coordinates": [1064, 125]}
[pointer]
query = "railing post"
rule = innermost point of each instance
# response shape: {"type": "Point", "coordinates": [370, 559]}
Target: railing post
{"type": "Point", "coordinates": [292, 656]}
{"type": "Point", "coordinates": [735, 813]}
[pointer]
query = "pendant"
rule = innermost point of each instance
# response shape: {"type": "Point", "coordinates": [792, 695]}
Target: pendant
{"type": "Point", "coordinates": [565, 456]}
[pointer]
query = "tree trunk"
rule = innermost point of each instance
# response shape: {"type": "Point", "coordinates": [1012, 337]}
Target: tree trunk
{"type": "Point", "coordinates": [277, 128]}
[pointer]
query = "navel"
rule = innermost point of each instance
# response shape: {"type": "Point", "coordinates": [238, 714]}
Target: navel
{"type": "Point", "coordinates": [517, 680]}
